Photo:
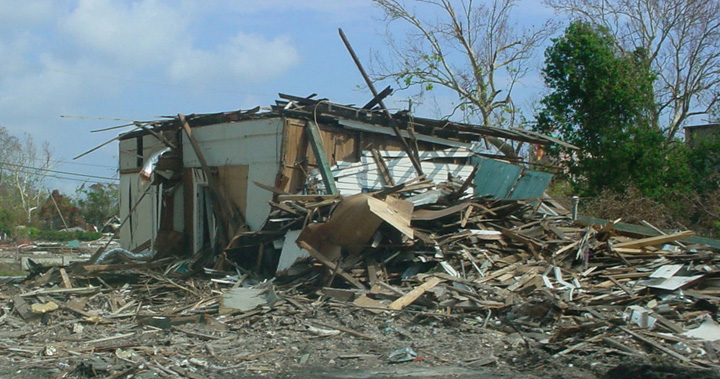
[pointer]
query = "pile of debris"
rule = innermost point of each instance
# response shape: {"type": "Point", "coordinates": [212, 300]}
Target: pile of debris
{"type": "Point", "coordinates": [567, 285]}
{"type": "Point", "coordinates": [514, 267]}
{"type": "Point", "coordinates": [333, 221]}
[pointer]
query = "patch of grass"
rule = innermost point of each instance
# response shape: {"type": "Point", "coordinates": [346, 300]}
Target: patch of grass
{"type": "Point", "coordinates": [11, 269]}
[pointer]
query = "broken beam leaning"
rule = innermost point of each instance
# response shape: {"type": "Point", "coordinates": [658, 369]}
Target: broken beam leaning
{"type": "Point", "coordinates": [412, 153]}
{"type": "Point", "coordinates": [317, 145]}
{"type": "Point", "coordinates": [332, 266]}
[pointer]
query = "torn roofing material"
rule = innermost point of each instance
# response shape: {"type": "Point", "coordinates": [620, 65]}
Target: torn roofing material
{"type": "Point", "coordinates": [441, 131]}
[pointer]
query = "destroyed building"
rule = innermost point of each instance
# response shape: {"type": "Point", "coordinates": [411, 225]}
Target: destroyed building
{"type": "Point", "coordinates": [204, 181]}
{"type": "Point", "coordinates": [311, 234]}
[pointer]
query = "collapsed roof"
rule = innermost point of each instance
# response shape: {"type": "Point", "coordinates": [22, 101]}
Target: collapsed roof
{"type": "Point", "coordinates": [443, 132]}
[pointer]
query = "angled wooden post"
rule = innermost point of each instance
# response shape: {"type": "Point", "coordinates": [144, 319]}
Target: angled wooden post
{"type": "Point", "coordinates": [315, 140]}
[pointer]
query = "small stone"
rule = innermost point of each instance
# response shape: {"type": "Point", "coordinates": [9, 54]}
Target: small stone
{"type": "Point", "coordinates": [78, 328]}
{"type": "Point", "coordinates": [50, 350]}
{"type": "Point", "coordinates": [44, 308]}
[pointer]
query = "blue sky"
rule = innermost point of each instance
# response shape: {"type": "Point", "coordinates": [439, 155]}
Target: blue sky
{"type": "Point", "coordinates": [142, 59]}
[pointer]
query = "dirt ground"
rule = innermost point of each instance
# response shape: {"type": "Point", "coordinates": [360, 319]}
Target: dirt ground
{"type": "Point", "coordinates": [286, 342]}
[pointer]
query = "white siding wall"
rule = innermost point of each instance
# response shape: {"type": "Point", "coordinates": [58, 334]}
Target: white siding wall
{"type": "Point", "coordinates": [144, 221]}
{"type": "Point", "coordinates": [256, 143]}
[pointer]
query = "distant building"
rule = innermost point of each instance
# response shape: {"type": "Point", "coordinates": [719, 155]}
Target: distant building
{"type": "Point", "coordinates": [696, 133]}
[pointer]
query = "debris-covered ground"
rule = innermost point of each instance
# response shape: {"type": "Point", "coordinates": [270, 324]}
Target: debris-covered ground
{"type": "Point", "coordinates": [486, 287]}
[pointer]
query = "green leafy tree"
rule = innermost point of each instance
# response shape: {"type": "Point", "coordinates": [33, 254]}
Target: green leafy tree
{"type": "Point", "coordinates": [680, 40]}
{"type": "Point", "coordinates": [601, 100]}
{"type": "Point", "coordinates": [98, 202]}
{"type": "Point", "coordinates": [58, 211]}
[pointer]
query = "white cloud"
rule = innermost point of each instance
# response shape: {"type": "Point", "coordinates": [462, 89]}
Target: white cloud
{"type": "Point", "coordinates": [152, 36]}
{"type": "Point", "coordinates": [344, 8]}
{"type": "Point", "coordinates": [111, 58]}
{"type": "Point", "coordinates": [245, 58]}
{"type": "Point", "coordinates": [137, 34]}
{"type": "Point", "coordinates": [40, 93]}
{"type": "Point", "coordinates": [14, 14]}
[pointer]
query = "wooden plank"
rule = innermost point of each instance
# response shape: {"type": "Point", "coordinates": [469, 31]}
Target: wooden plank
{"type": "Point", "coordinates": [323, 165]}
{"type": "Point", "coordinates": [658, 240]}
{"type": "Point", "coordinates": [65, 278]}
{"type": "Point", "coordinates": [372, 268]}
{"type": "Point", "coordinates": [531, 243]}
{"type": "Point", "coordinates": [371, 305]}
{"type": "Point", "coordinates": [643, 231]}
{"type": "Point", "coordinates": [332, 266]}
{"type": "Point", "coordinates": [307, 198]}
{"type": "Point", "coordinates": [382, 169]}
{"type": "Point", "coordinates": [342, 329]}
{"type": "Point", "coordinates": [410, 149]}
{"type": "Point", "coordinates": [270, 188]}
{"type": "Point", "coordinates": [378, 98]}
{"type": "Point", "coordinates": [413, 295]}
{"type": "Point", "coordinates": [622, 347]}
{"type": "Point", "coordinates": [658, 346]}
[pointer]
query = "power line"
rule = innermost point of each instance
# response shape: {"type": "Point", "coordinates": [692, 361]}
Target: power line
{"type": "Point", "coordinates": [73, 179]}
{"type": "Point", "coordinates": [74, 163]}
{"type": "Point", "coordinates": [85, 164]}
{"type": "Point", "coordinates": [80, 180]}
{"type": "Point", "coordinates": [55, 171]}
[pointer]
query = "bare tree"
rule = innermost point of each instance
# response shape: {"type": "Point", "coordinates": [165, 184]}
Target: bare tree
{"type": "Point", "coordinates": [472, 48]}
{"type": "Point", "coordinates": [679, 38]}
{"type": "Point", "coordinates": [23, 168]}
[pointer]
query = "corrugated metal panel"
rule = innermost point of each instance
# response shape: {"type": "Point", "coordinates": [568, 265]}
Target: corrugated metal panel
{"type": "Point", "coordinates": [495, 178]}
{"type": "Point", "coordinates": [507, 181]}
{"type": "Point", "coordinates": [531, 185]}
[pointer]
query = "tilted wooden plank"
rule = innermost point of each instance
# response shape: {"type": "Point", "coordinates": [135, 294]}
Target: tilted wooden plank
{"type": "Point", "coordinates": [317, 145]}
{"type": "Point", "coordinates": [658, 240]}
{"type": "Point", "coordinates": [413, 295]}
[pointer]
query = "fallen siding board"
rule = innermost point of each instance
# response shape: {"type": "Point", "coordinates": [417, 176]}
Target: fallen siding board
{"type": "Point", "coordinates": [354, 177]}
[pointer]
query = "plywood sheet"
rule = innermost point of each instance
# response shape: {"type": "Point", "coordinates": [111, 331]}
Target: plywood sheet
{"type": "Point", "coordinates": [234, 180]}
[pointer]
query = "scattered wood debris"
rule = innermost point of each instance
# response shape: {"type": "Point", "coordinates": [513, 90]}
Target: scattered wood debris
{"type": "Point", "coordinates": [506, 266]}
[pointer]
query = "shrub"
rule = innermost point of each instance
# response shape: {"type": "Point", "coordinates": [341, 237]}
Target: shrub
{"type": "Point", "coordinates": [54, 235]}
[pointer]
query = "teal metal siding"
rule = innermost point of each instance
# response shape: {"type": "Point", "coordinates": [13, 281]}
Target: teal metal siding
{"type": "Point", "coordinates": [531, 185]}
{"type": "Point", "coordinates": [507, 181]}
